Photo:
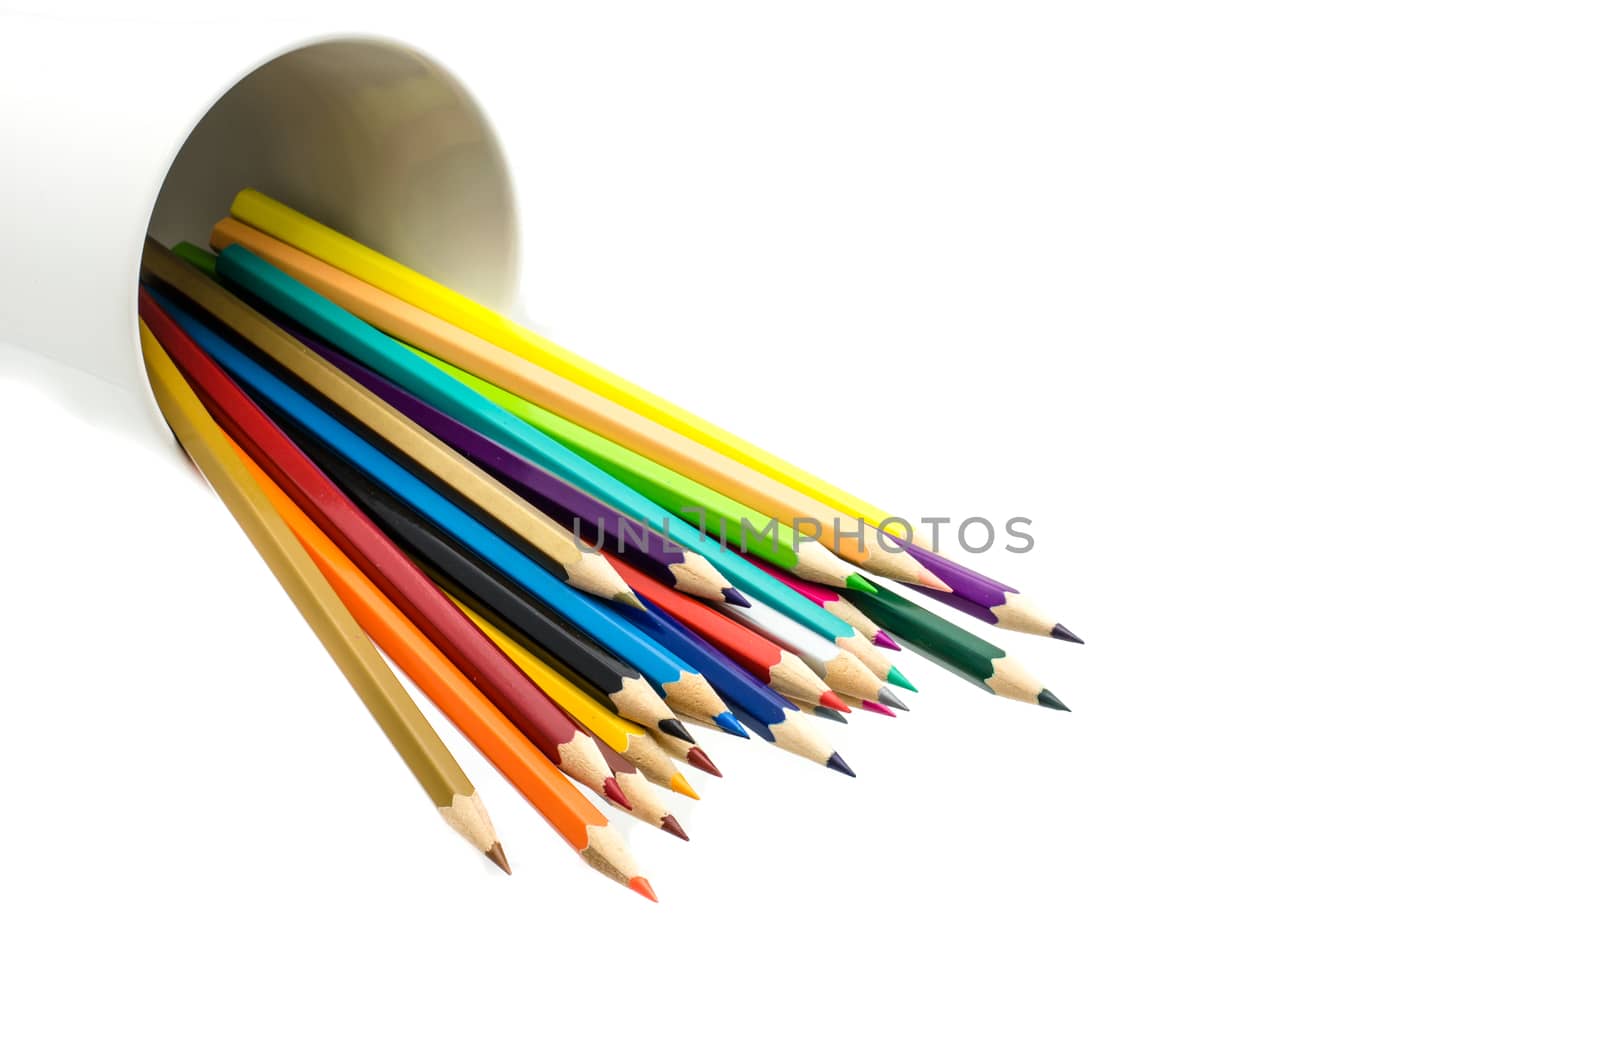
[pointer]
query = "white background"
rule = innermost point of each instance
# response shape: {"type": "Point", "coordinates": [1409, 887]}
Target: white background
{"type": "Point", "coordinates": [1279, 322]}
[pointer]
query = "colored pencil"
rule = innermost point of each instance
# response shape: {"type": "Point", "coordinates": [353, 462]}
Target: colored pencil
{"type": "Point", "coordinates": [870, 706]}
{"type": "Point", "coordinates": [614, 681]}
{"type": "Point", "coordinates": [429, 761]}
{"type": "Point", "coordinates": [629, 740]}
{"type": "Point", "coordinates": [842, 671]}
{"type": "Point", "coordinates": [648, 805]}
{"type": "Point", "coordinates": [682, 687]}
{"type": "Point", "coordinates": [991, 601]}
{"type": "Point", "coordinates": [757, 706]}
{"type": "Point", "coordinates": [1008, 608]}
{"type": "Point", "coordinates": [830, 601]}
{"type": "Point", "coordinates": [664, 560]}
{"type": "Point", "coordinates": [718, 517]}
{"type": "Point", "coordinates": [406, 367]}
{"type": "Point", "coordinates": [953, 648]}
{"type": "Point", "coordinates": [282, 222]}
{"type": "Point", "coordinates": [785, 600]}
{"type": "Point", "coordinates": [539, 536]}
{"type": "Point", "coordinates": [583, 407]}
{"type": "Point", "coordinates": [203, 355]}
{"type": "Point", "coordinates": [758, 656]}
{"type": "Point", "coordinates": [573, 817]}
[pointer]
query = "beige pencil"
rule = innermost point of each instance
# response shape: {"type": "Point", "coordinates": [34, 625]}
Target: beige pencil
{"type": "Point", "coordinates": [581, 569]}
{"type": "Point", "coordinates": [430, 762]}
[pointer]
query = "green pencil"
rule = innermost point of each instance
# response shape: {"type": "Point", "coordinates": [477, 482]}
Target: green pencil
{"type": "Point", "coordinates": [952, 647]}
{"type": "Point", "coordinates": [745, 576]}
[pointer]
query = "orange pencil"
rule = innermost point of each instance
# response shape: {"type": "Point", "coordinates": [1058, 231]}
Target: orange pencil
{"type": "Point", "coordinates": [531, 773]}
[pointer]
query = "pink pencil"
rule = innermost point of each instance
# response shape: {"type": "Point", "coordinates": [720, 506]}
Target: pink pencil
{"type": "Point", "coordinates": [830, 601]}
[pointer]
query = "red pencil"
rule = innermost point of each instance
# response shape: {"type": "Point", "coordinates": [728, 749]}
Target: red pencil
{"type": "Point", "coordinates": [779, 669]}
{"type": "Point", "coordinates": [506, 686]}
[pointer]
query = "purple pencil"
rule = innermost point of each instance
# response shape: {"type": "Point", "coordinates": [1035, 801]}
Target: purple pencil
{"type": "Point", "coordinates": [686, 571]}
{"type": "Point", "coordinates": [984, 598]}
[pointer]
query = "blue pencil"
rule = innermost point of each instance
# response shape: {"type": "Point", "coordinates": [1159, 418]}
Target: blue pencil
{"type": "Point", "coordinates": [759, 707]}
{"type": "Point", "coordinates": [681, 687]}
{"type": "Point", "coordinates": [441, 386]}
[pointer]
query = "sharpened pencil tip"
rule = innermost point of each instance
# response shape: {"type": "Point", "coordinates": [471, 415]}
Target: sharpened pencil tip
{"type": "Point", "coordinates": [887, 697]}
{"type": "Point", "coordinates": [730, 724]}
{"type": "Point", "coordinates": [876, 708]}
{"type": "Point", "coordinates": [829, 715]}
{"type": "Point", "coordinates": [702, 761]}
{"type": "Point", "coordinates": [670, 825]}
{"type": "Point", "coordinates": [883, 640]}
{"type": "Point", "coordinates": [837, 764]}
{"type": "Point", "coordinates": [932, 581]}
{"type": "Point", "coordinates": [860, 584]}
{"type": "Point", "coordinates": [680, 785]}
{"type": "Point", "coordinates": [1048, 698]}
{"type": "Point", "coordinates": [831, 700]}
{"type": "Point", "coordinates": [497, 854]}
{"type": "Point", "coordinates": [735, 597]}
{"type": "Point", "coordinates": [640, 885]}
{"type": "Point", "coordinates": [675, 729]}
{"type": "Point", "coordinates": [628, 599]}
{"type": "Point", "coordinates": [898, 678]}
{"type": "Point", "coordinates": [1063, 633]}
{"type": "Point", "coordinates": [613, 792]}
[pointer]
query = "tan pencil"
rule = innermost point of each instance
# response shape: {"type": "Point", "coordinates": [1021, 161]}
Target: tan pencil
{"type": "Point", "coordinates": [401, 721]}
{"type": "Point", "coordinates": [580, 569]}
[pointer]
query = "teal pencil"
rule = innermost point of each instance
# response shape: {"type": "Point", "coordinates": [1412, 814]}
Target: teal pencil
{"type": "Point", "coordinates": [464, 397]}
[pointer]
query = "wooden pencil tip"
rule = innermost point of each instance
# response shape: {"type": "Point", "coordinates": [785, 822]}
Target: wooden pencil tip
{"type": "Point", "coordinates": [640, 885]}
{"type": "Point", "coordinates": [831, 700]}
{"type": "Point", "coordinates": [860, 584]}
{"type": "Point", "coordinates": [735, 597]}
{"type": "Point", "coordinates": [670, 825]}
{"type": "Point", "coordinates": [702, 761]}
{"type": "Point", "coordinates": [675, 729]}
{"type": "Point", "coordinates": [876, 708]}
{"type": "Point", "coordinates": [836, 764]}
{"type": "Point", "coordinates": [898, 678]}
{"type": "Point", "coordinates": [628, 599]}
{"type": "Point", "coordinates": [1049, 699]}
{"type": "Point", "coordinates": [883, 640]}
{"type": "Point", "coordinates": [932, 581]}
{"type": "Point", "coordinates": [1063, 633]}
{"type": "Point", "coordinates": [827, 714]}
{"type": "Point", "coordinates": [497, 854]}
{"type": "Point", "coordinates": [681, 785]}
{"type": "Point", "coordinates": [613, 792]}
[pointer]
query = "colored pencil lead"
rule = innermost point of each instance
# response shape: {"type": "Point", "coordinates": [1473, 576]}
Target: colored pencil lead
{"type": "Point", "coordinates": [674, 728]}
{"type": "Point", "coordinates": [898, 678]}
{"type": "Point", "coordinates": [613, 792]}
{"type": "Point", "coordinates": [827, 715]}
{"type": "Point", "coordinates": [628, 600]}
{"type": "Point", "coordinates": [680, 785]}
{"type": "Point", "coordinates": [929, 580]}
{"type": "Point", "coordinates": [640, 885]}
{"type": "Point", "coordinates": [1049, 699]}
{"type": "Point", "coordinates": [670, 824]}
{"type": "Point", "coordinates": [874, 707]}
{"type": "Point", "coordinates": [1061, 632]}
{"type": "Point", "coordinates": [888, 698]}
{"type": "Point", "coordinates": [497, 854]}
{"type": "Point", "coordinates": [730, 724]}
{"type": "Point", "coordinates": [883, 640]}
{"type": "Point", "coordinates": [837, 764]}
{"type": "Point", "coordinates": [738, 599]}
{"type": "Point", "coordinates": [702, 761]}
{"type": "Point", "coordinates": [860, 584]}
{"type": "Point", "coordinates": [831, 700]}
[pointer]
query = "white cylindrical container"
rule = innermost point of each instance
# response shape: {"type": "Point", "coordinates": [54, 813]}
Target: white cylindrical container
{"type": "Point", "coordinates": [117, 129]}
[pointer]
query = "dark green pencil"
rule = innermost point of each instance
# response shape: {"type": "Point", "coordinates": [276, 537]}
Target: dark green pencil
{"type": "Point", "coordinates": [952, 647]}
